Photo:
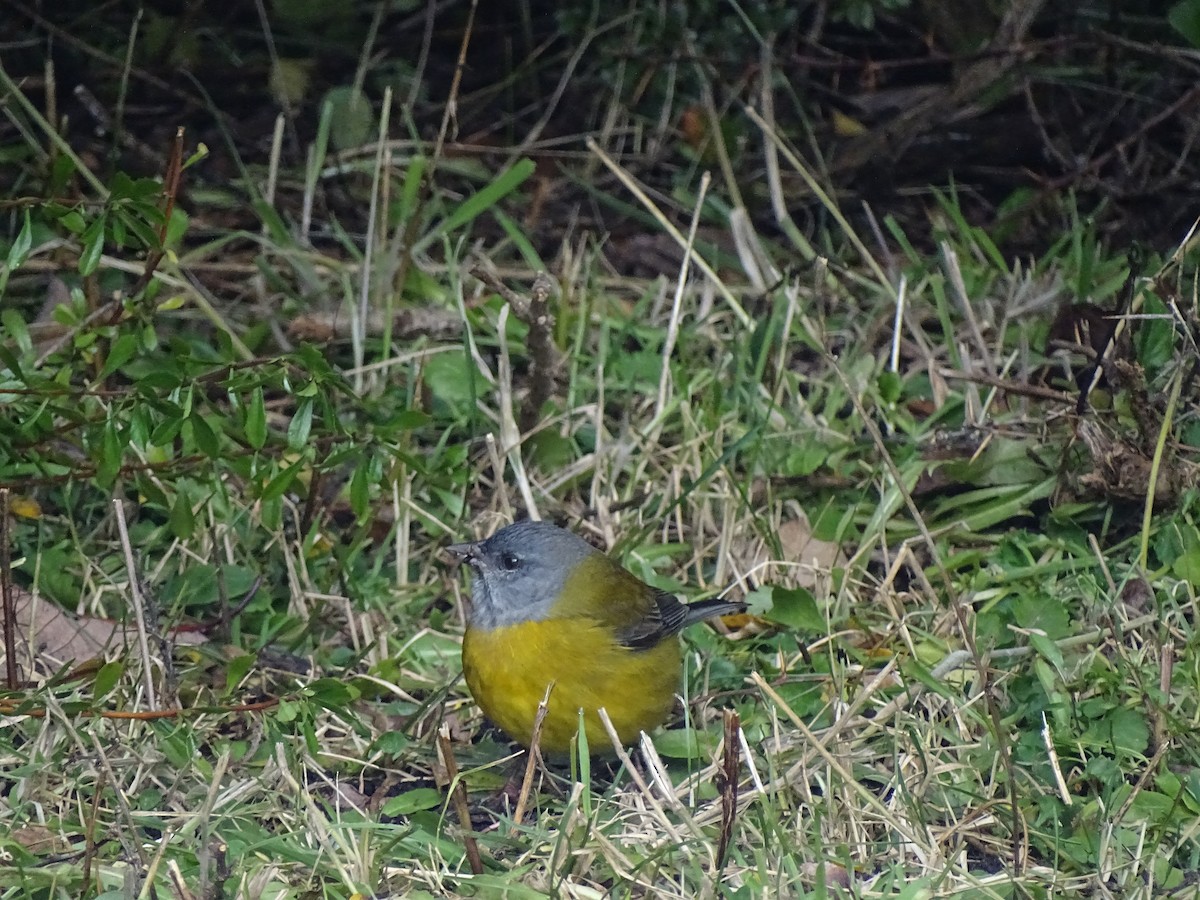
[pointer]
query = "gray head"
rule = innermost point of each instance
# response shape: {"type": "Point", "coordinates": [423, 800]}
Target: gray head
{"type": "Point", "coordinates": [520, 571]}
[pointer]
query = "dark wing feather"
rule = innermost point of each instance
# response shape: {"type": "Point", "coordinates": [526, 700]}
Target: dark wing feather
{"type": "Point", "coordinates": [667, 617]}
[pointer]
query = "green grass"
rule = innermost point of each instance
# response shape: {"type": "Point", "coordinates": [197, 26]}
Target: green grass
{"type": "Point", "coordinates": [970, 667]}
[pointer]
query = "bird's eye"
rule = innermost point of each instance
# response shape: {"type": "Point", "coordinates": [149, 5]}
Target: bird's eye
{"type": "Point", "coordinates": [510, 561]}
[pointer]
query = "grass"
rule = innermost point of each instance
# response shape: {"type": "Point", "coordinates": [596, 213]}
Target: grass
{"type": "Point", "coordinates": [968, 671]}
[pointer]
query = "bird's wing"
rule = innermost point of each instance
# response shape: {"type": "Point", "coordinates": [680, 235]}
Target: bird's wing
{"type": "Point", "coordinates": [664, 617]}
{"type": "Point", "coordinates": [667, 617]}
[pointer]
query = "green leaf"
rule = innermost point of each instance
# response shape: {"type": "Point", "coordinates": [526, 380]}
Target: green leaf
{"type": "Point", "coordinates": [1048, 650]}
{"type": "Point", "coordinates": [795, 608]}
{"type": "Point", "coordinates": [301, 425]}
{"type": "Point", "coordinates": [351, 117]}
{"type": "Point", "coordinates": [73, 221]}
{"type": "Point", "coordinates": [146, 234]}
{"type": "Point", "coordinates": [1155, 337]}
{"type": "Point", "coordinates": [19, 250]}
{"type": "Point", "coordinates": [166, 431]}
{"type": "Point", "coordinates": [480, 202]}
{"type": "Point", "coordinates": [1035, 610]}
{"type": "Point", "coordinates": [276, 227]}
{"type": "Point", "coordinates": [176, 228]}
{"type": "Point", "coordinates": [121, 351]}
{"type": "Point", "coordinates": [93, 246]}
{"type": "Point", "coordinates": [685, 743]}
{"type": "Point", "coordinates": [517, 234]}
{"type": "Point", "coordinates": [333, 693]}
{"type": "Point", "coordinates": [143, 191]}
{"type": "Point", "coordinates": [278, 485]}
{"type": "Point", "coordinates": [806, 458]}
{"type": "Point", "coordinates": [179, 748]}
{"type": "Point", "coordinates": [412, 801]}
{"type": "Point", "coordinates": [107, 678]}
{"type": "Point", "coordinates": [414, 177]}
{"type": "Point", "coordinates": [581, 743]}
{"type": "Point", "coordinates": [182, 521]}
{"type": "Point", "coordinates": [288, 711]}
{"type": "Point", "coordinates": [111, 454]}
{"type": "Point", "coordinates": [16, 330]}
{"type": "Point", "coordinates": [360, 490]}
{"type": "Point", "coordinates": [149, 337]}
{"type": "Point", "coordinates": [256, 420]}
{"type": "Point", "coordinates": [204, 436]}
{"type": "Point", "coordinates": [117, 231]}
{"type": "Point", "coordinates": [1120, 730]}
{"type": "Point", "coordinates": [200, 153]}
{"type": "Point", "coordinates": [889, 386]}
{"type": "Point", "coordinates": [1187, 564]}
{"type": "Point", "coordinates": [236, 670]}
{"type": "Point", "coordinates": [1185, 18]}
{"type": "Point", "coordinates": [451, 378]}
{"type": "Point", "coordinates": [391, 743]}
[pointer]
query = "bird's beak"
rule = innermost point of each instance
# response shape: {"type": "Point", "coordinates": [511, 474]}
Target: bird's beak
{"type": "Point", "coordinates": [464, 552]}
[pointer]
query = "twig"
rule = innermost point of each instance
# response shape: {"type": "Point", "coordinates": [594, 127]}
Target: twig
{"type": "Point", "coordinates": [1160, 450]}
{"type": "Point", "coordinates": [458, 796]}
{"type": "Point", "coordinates": [124, 830]}
{"type": "Point", "coordinates": [727, 784]}
{"type": "Point", "coordinates": [836, 765]}
{"type": "Point", "coordinates": [170, 191]}
{"type": "Point", "coordinates": [1011, 387]}
{"type": "Point", "coordinates": [64, 36]}
{"type": "Point", "coordinates": [510, 431]}
{"type": "Point", "coordinates": [451, 111]}
{"type": "Point", "coordinates": [546, 360]}
{"type": "Point", "coordinates": [227, 614]}
{"type": "Point", "coordinates": [1114, 326]}
{"type": "Point", "coordinates": [110, 312]}
{"type": "Point", "coordinates": [1097, 162]}
{"type": "Point", "coordinates": [379, 176]}
{"type": "Point", "coordinates": [1055, 767]}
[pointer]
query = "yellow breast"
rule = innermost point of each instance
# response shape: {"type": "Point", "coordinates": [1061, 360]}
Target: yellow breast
{"type": "Point", "coordinates": [509, 668]}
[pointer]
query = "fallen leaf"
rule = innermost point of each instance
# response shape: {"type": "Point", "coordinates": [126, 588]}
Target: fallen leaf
{"type": "Point", "coordinates": [38, 839]}
{"type": "Point", "coordinates": [817, 557]}
{"type": "Point", "coordinates": [49, 637]}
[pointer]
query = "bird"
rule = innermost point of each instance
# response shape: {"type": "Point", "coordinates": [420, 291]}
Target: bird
{"type": "Point", "coordinates": [549, 609]}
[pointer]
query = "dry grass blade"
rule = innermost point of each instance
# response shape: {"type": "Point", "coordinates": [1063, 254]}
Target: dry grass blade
{"type": "Point", "coordinates": [659, 813]}
{"type": "Point", "coordinates": [825, 199]}
{"type": "Point", "coordinates": [6, 596]}
{"type": "Point", "coordinates": [887, 815]}
{"type": "Point", "coordinates": [667, 226]}
{"type": "Point", "coordinates": [533, 754]}
{"type": "Point", "coordinates": [138, 602]}
{"type": "Point", "coordinates": [664, 379]}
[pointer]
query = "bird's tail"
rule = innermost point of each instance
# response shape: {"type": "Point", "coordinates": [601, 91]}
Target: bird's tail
{"type": "Point", "coordinates": [709, 609]}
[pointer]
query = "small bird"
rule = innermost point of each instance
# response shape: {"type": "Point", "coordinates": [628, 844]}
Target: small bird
{"type": "Point", "coordinates": [548, 607]}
